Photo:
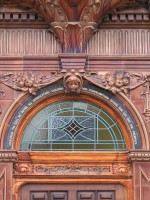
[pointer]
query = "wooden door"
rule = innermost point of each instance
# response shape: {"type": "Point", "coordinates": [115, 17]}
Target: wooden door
{"type": "Point", "coordinates": [72, 192]}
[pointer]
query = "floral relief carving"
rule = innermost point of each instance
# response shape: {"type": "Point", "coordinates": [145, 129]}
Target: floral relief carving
{"type": "Point", "coordinates": [28, 81]}
{"type": "Point", "coordinates": [115, 82]}
{"type": "Point", "coordinates": [72, 169]}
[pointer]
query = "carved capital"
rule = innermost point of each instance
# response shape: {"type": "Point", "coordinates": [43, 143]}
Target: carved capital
{"type": "Point", "coordinates": [8, 156]}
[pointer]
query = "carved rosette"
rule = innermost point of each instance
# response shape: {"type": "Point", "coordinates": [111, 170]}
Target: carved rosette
{"type": "Point", "coordinates": [23, 168]}
{"type": "Point", "coordinates": [121, 169]}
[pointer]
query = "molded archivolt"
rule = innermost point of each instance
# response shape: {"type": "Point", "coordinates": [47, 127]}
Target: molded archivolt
{"type": "Point", "coordinates": [119, 108]}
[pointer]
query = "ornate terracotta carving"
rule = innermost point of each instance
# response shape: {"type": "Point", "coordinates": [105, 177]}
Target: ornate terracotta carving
{"type": "Point", "coordinates": [115, 82]}
{"type": "Point", "coordinates": [72, 169]}
{"type": "Point", "coordinates": [74, 21]}
{"type": "Point", "coordinates": [143, 80]}
{"type": "Point", "coordinates": [121, 169]}
{"type": "Point", "coordinates": [23, 168]}
{"type": "Point", "coordinates": [28, 81]}
{"type": "Point", "coordinates": [73, 81]}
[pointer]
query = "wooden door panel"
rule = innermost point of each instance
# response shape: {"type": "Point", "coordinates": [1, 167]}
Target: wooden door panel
{"type": "Point", "coordinates": [59, 195]}
{"type": "Point", "coordinates": [72, 192]}
{"type": "Point", "coordinates": [106, 195]}
{"type": "Point", "coordinates": [86, 195]}
{"type": "Point", "coordinates": [39, 196]}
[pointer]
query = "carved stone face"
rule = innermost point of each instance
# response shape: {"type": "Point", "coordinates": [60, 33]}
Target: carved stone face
{"type": "Point", "coordinates": [73, 84]}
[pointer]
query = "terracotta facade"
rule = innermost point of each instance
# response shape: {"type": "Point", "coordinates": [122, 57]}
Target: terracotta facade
{"type": "Point", "coordinates": [103, 47]}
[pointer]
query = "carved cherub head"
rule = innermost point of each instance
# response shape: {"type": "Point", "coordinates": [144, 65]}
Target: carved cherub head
{"type": "Point", "coordinates": [73, 82]}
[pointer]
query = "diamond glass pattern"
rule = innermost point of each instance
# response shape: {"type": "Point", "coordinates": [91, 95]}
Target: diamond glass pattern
{"type": "Point", "coordinates": [73, 128]}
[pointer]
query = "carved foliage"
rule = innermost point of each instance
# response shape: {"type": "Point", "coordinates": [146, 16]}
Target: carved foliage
{"type": "Point", "coordinates": [115, 82]}
{"type": "Point", "coordinates": [72, 169]}
{"type": "Point", "coordinates": [28, 81]}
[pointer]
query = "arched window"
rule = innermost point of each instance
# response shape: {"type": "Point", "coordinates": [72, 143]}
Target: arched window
{"type": "Point", "coordinates": [72, 125]}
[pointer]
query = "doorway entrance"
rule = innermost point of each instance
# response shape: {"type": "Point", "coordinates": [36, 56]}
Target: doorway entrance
{"type": "Point", "coordinates": [72, 192]}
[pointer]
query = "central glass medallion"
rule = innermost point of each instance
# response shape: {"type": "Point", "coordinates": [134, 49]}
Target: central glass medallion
{"type": "Point", "coordinates": [73, 128]}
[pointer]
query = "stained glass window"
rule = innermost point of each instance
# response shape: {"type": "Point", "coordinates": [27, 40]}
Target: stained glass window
{"type": "Point", "coordinates": [72, 126]}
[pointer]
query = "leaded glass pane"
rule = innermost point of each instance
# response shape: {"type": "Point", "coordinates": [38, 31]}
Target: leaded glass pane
{"type": "Point", "coordinates": [72, 126]}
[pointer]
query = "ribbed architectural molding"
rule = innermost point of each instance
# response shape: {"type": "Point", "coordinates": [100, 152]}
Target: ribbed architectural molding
{"type": "Point", "coordinates": [16, 42]}
{"type": "Point", "coordinates": [120, 42]}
